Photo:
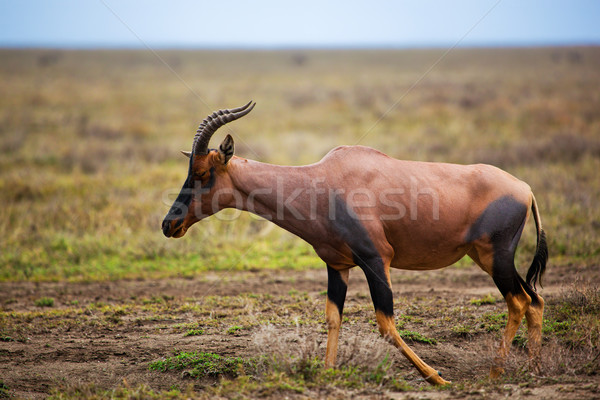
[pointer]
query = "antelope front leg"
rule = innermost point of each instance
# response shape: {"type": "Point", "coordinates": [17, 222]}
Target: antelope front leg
{"type": "Point", "coordinates": [387, 328]}
{"type": "Point", "coordinates": [383, 300]}
{"type": "Point", "coordinates": [337, 284]}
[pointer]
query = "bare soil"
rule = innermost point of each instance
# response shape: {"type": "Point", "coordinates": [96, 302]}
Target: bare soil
{"type": "Point", "coordinates": [108, 355]}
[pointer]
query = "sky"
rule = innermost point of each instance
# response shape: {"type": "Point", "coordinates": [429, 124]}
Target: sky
{"type": "Point", "coordinates": [307, 23]}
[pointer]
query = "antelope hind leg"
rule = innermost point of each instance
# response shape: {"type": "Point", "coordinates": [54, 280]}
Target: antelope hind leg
{"type": "Point", "coordinates": [517, 305]}
{"type": "Point", "coordinates": [535, 317]}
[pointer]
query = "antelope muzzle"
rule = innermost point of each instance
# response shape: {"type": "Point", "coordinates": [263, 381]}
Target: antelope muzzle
{"type": "Point", "coordinates": [173, 227]}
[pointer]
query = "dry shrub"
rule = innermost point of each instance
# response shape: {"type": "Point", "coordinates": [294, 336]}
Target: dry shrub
{"type": "Point", "coordinates": [49, 58]}
{"type": "Point", "coordinates": [12, 141]}
{"type": "Point", "coordinates": [146, 152]}
{"type": "Point", "coordinates": [579, 306]}
{"type": "Point", "coordinates": [102, 132]}
{"type": "Point", "coordinates": [293, 351]}
{"type": "Point", "coordinates": [366, 351]}
{"type": "Point", "coordinates": [299, 59]}
{"type": "Point", "coordinates": [567, 148]}
{"type": "Point", "coordinates": [516, 360]}
{"type": "Point", "coordinates": [559, 360]}
{"type": "Point", "coordinates": [302, 98]}
{"type": "Point", "coordinates": [290, 351]}
{"type": "Point", "coordinates": [574, 349]}
{"type": "Point", "coordinates": [90, 156]}
{"type": "Point", "coordinates": [584, 296]}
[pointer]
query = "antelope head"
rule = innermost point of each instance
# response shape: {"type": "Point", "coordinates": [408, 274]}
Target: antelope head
{"type": "Point", "coordinates": [207, 175]}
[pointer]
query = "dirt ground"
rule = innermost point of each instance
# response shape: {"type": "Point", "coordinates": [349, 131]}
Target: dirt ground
{"type": "Point", "coordinates": [107, 355]}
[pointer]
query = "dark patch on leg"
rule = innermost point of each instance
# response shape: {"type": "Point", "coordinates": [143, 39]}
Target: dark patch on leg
{"type": "Point", "coordinates": [504, 274]}
{"type": "Point", "coordinates": [348, 227]}
{"type": "Point", "coordinates": [336, 289]}
{"type": "Point", "coordinates": [381, 293]}
{"type": "Point", "coordinates": [501, 221]}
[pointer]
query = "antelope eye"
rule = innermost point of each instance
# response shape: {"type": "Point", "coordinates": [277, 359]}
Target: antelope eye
{"type": "Point", "coordinates": [199, 180]}
{"type": "Point", "coordinates": [199, 177]}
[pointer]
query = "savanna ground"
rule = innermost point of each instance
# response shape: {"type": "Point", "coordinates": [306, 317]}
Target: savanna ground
{"type": "Point", "coordinates": [95, 302]}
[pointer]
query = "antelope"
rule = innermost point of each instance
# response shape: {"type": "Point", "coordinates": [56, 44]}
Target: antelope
{"type": "Point", "coordinates": [360, 207]}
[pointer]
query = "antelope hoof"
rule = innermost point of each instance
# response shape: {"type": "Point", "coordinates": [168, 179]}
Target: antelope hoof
{"type": "Point", "coordinates": [437, 380]}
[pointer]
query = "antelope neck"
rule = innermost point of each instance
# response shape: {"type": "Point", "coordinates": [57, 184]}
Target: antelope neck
{"type": "Point", "coordinates": [281, 194]}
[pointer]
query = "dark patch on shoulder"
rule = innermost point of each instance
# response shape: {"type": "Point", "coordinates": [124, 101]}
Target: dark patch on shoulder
{"type": "Point", "coordinates": [348, 227]}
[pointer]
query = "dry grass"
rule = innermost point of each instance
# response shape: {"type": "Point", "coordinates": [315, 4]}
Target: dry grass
{"type": "Point", "coordinates": [364, 364]}
{"type": "Point", "coordinates": [89, 141]}
{"type": "Point", "coordinates": [559, 148]}
{"type": "Point", "coordinates": [269, 335]}
{"type": "Point", "coordinates": [557, 360]}
{"type": "Point", "coordinates": [290, 349]}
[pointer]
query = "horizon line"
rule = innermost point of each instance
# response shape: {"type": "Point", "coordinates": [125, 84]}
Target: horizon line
{"type": "Point", "coordinates": [282, 47]}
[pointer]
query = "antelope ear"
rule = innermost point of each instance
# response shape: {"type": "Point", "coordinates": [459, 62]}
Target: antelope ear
{"type": "Point", "coordinates": [188, 154]}
{"type": "Point", "coordinates": [226, 149]}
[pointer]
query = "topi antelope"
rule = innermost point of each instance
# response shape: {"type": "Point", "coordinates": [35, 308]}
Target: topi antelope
{"type": "Point", "coordinates": [359, 207]}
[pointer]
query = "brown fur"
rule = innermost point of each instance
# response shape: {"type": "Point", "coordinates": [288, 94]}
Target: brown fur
{"type": "Point", "coordinates": [441, 201]}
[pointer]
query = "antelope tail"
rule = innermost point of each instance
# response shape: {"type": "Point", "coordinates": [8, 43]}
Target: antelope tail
{"type": "Point", "coordinates": [538, 265]}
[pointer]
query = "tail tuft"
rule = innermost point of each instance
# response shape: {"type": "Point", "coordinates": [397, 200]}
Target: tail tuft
{"type": "Point", "coordinates": [538, 265]}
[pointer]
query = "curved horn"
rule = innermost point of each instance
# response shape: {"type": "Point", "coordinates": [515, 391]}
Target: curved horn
{"type": "Point", "coordinates": [214, 122]}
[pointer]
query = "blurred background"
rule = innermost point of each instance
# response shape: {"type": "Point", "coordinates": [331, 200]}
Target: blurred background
{"type": "Point", "coordinates": [98, 97]}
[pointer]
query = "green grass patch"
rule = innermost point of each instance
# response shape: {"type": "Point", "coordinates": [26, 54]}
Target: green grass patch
{"type": "Point", "coordinates": [520, 340]}
{"type": "Point", "coordinates": [50, 265]}
{"type": "Point", "coordinates": [487, 299]}
{"type": "Point", "coordinates": [416, 337]}
{"type": "Point", "coordinates": [463, 330]}
{"type": "Point", "coordinates": [199, 364]}
{"type": "Point", "coordinates": [559, 328]}
{"type": "Point", "coordinates": [493, 322]}
{"type": "Point", "coordinates": [233, 330]}
{"type": "Point", "coordinates": [45, 302]}
{"type": "Point", "coordinates": [194, 332]}
{"type": "Point", "coordinates": [4, 390]}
